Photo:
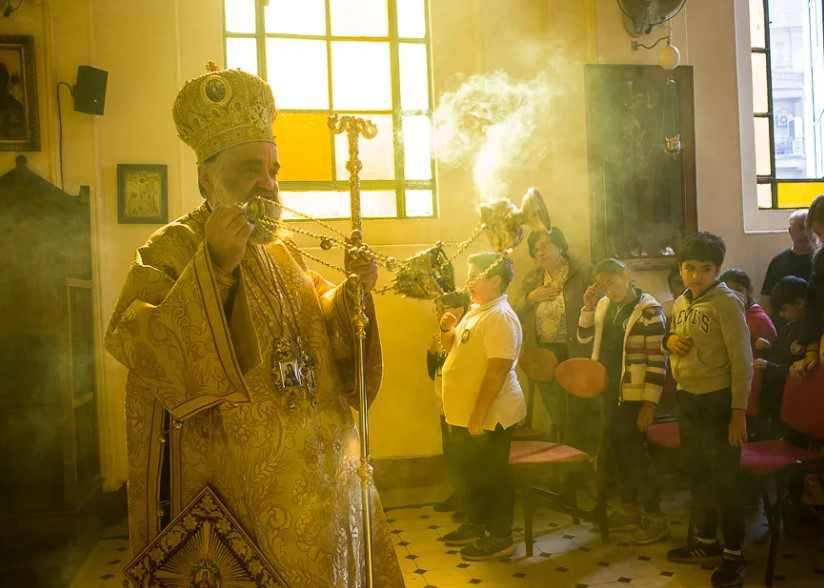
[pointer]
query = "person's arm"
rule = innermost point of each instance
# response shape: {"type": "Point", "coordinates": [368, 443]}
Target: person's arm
{"type": "Point", "coordinates": [766, 288]}
{"type": "Point", "coordinates": [586, 320]}
{"type": "Point", "coordinates": [736, 339]}
{"type": "Point", "coordinates": [494, 378]}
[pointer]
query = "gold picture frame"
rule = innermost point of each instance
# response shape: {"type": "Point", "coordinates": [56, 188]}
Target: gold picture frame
{"type": "Point", "coordinates": [19, 115]}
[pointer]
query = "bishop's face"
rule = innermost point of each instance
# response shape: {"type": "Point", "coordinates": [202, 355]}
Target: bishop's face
{"type": "Point", "coordinates": [241, 173]}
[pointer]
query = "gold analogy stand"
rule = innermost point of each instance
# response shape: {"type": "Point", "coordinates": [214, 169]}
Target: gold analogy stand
{"type": "Point", "coordinates": [355, 128]}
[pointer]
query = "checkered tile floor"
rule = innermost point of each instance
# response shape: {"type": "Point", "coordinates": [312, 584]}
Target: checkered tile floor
{"type": "Point", "coordinates": [566, 555]}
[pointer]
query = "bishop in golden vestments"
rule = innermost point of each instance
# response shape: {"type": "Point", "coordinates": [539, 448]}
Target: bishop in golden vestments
{"type": "Point", "coordinates": [241, 361]}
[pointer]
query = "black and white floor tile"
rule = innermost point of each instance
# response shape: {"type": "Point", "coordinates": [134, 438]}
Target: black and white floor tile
{"type": "Point", "coordinates": [565, 556]}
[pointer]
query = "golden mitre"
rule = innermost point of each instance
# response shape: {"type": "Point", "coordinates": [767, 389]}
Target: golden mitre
{"type": "Point", "coordinates": [223, 108]}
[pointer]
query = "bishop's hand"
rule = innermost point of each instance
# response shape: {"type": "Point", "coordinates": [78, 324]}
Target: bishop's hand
{"type": "Point", "coordinates": [366, 270]}
{"type": "Point", "coordinates": [227, 233]}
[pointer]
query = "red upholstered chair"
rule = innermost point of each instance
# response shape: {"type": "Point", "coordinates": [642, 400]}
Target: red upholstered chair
{"type": "Point", "coordinates": [539, 366]}
{"type": "Point", "coordinates": [584, 378]}
{"type": "Point", "coordinates": [802, 408]}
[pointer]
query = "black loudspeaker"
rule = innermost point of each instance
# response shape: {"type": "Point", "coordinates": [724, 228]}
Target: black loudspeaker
{"type": "Point", "coordinates": [90, 90]}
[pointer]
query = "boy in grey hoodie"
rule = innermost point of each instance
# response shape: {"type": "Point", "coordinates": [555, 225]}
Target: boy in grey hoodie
{"type": "Point", "coordinates": [711, 361]}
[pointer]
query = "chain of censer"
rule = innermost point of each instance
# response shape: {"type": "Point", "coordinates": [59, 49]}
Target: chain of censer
{"type": "Point", "coordinates": [328, 242]}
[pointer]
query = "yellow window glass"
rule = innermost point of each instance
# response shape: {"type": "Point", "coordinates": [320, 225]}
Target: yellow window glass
{"type": "Point", "coordinates": [798, 194]}
{"type": "Point", "coordinates": [304, 146]}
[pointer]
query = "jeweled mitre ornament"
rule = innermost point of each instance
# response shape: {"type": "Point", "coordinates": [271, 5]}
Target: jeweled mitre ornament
{"type": "Point", "coordinates": [223, 108]}
{"type": "Point", "coordinates": [203, 547]}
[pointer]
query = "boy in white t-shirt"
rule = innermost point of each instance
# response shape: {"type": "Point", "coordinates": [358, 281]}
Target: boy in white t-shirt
{"type": "Point", "coordinates": [483, 402]}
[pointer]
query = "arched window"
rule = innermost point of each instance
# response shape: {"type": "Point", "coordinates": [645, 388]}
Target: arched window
{"type": "Point", "coordinates": [788, 101]}
{"type": "Point", "coordinates": [369, 58]}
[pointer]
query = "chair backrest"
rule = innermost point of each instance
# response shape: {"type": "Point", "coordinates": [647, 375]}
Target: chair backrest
{"type": "Point", "coordinates": [803, 405]}
{"type": "Point", "coordinates": [538, 365]}
{"type": "Point", "coordinates": [582, 377]}
{"type": "Point", "coordinates": [755, 393]}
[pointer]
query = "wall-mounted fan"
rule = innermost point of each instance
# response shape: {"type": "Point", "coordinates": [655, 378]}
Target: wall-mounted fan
{"type": "Point", "coordinates": [641, 15]}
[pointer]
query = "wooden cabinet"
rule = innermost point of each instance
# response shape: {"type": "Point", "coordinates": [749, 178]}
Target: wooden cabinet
{"type": "Point", "coordinates": [49, 448]}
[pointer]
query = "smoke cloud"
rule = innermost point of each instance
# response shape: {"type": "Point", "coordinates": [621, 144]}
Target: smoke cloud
{"type": "Point", "coordinates": [490, 123]}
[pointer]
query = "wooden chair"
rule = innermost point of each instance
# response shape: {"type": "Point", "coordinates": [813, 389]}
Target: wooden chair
{"type": "Point", "coordinates": [584, 378]}
{"type": "Point", "coordinates": [802, 408]}
{"type": "Point", "coordinates": [539, 366]}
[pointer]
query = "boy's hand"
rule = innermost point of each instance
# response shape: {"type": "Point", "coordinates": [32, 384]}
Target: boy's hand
{"type": "Point", "coordinates": [448, 322]}
{"type": "Point", "coordinates": [435, 344]}
{"type": "Point", "coordinates": [762, 343]}
{"type": "Point", "coordinates": [759, 363]}
{"type": "Point", "coordinates": [476, 423]}
{"type": "Point", "coordinates": [679, 345]}
{"type": "Point", "coordinates": [646, 415]}
{"type": "Point", "coordinates": [591, 296]}
{"type": "Point", "coordinates": [737, 433]}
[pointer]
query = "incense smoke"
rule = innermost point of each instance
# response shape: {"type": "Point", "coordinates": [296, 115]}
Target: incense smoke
{"type": "Point", "coordinates": [489, 123]}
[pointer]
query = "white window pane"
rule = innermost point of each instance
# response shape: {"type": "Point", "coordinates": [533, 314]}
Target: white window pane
{"type": "Point", "coordinates": [764, 194]}
{"type": "Point", "coordinates": [298, 17]}
{"type": "Point", "coordinates": [379, 203]}
{"type": "Point", "coordinates": [419, 203]}
{"type": "Point", "coordinates": [763, 166]}
{"type": "Point", "coordinates": [360, 76]}
{"type": "Point", "coordinates": [760, 102]}
{"type": "Point", "coordinates": [298, 83]}
{"type": "Point", "coordinates": [417, 148]}
{"type": "Point", "coordinates": [377, 155]}
{"type": "Point", "coordinates": [240, 16]}
{"type": "Point", "coordinates": [359, 18]}
{"type": "Point", "coordinates": [242, 54]}
{"type": "Point", "coordinates": [317, 204]}
{"type": "Point", "coordinates": [329, 204]}
{"type": "Point", "coordinates": [411, 19]}
{"type": "Point", "coordinates": [757, 38]}
{"type": "Point", "coordinates": [414, 76]}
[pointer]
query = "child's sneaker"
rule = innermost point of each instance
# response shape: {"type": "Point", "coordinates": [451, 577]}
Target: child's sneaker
{"type": "Point", "coordinates": [488, 547]}
{"type": "Point", "coordinates": [697, 552]}
{"type": "Point", "coordinates": [653, 528]}
{"type": "Point", "coordinates": [618, 520]}
{"type": "Point", "coordinates": [466, 534]}
{"type": "Point", "coordinates": [731, 572]}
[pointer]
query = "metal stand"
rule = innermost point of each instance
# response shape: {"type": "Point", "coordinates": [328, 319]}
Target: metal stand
{"type": "Point", "coordinates": [356, 127]}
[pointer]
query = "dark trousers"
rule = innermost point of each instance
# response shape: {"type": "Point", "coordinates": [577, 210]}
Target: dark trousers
{"type": "Point", "coordinates": [575, 421]}
{"type": "Point", "coordinates": [452, 465]}
{"type": "Point", "coordinates": [627, 446]}
{"type": "Point", "coordinates": [712, 465]}
{"type": "Point", "coordinates": [489, 492]}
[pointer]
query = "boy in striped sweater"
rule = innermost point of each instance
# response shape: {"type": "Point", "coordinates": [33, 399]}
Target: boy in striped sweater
{"type": "Point", "coordinates": [627, 327]}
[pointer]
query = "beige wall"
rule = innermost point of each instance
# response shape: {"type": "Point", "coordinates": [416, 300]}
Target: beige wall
{"type": "Point", "coordinates": [151, 47]}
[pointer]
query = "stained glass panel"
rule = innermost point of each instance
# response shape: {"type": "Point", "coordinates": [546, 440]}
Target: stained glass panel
{"type": "Point", "coordinates": [304, 146]}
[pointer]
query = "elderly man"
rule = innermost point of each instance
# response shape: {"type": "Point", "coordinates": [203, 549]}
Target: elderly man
{"type": "Point", "coordinates": [795, 261]}
{"type": "Point", "coordinates": [243, 356]}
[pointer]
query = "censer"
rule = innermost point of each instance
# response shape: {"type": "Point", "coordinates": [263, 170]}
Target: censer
{"type": "Point", "coordinates": [426, 275]}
